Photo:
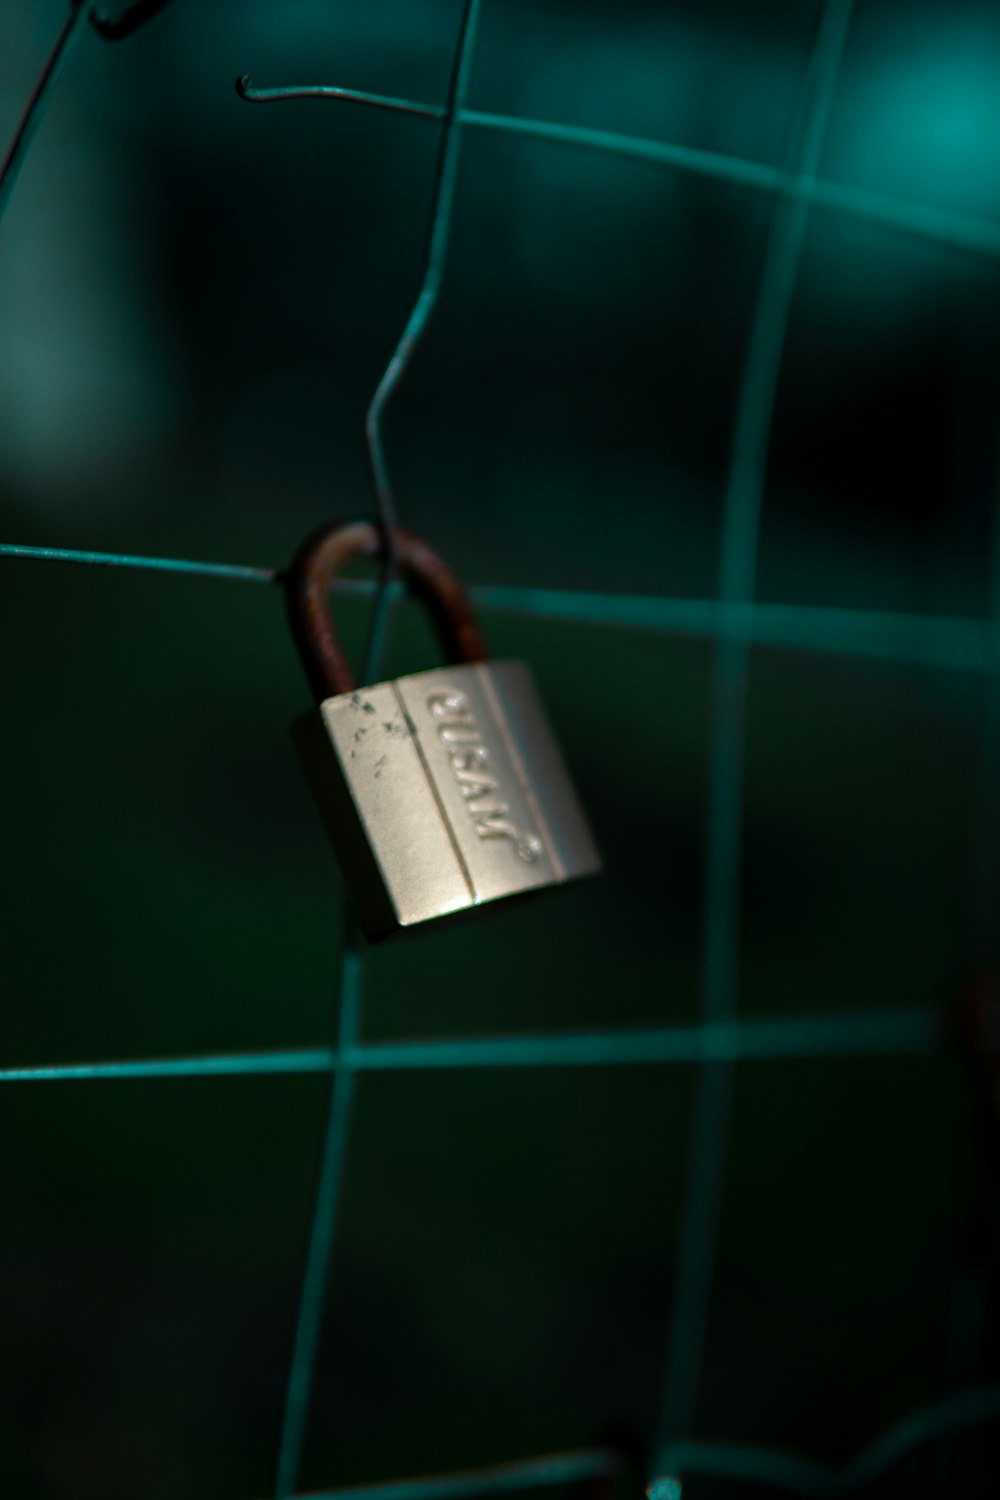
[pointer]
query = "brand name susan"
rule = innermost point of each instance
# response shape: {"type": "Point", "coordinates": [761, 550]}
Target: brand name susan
{"type": "Point", "coordinates": [471, 766]}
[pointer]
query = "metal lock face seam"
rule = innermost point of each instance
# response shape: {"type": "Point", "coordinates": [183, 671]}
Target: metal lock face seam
{"type": "Point", "coordinates": [442, 790]}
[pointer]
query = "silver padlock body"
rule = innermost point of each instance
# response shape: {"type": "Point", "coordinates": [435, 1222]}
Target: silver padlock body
{"type": "Point", "coordinates": [442, 791]}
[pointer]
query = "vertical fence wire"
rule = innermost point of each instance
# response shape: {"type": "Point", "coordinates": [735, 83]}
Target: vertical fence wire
{"type": "Point", "coordinates": [41, 97]}
{"type": "Point", "coordinates": [328, 1191]}
{"type": "Point", "coordinates": [438, 237]}
{"type": "Point", "coordinates": [312, 1296]}
{"type": "Point", "coordinates": [740, 535]}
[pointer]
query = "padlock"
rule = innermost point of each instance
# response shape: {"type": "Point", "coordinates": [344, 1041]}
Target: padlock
{"type": "Point", "coordinates": [442, 790]}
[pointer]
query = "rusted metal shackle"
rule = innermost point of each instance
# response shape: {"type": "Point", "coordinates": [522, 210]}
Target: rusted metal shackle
{"type": "Point", "coordinates": [307, 593]}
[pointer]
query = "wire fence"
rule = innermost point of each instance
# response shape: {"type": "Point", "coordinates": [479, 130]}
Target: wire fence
{"type": "Point", "coordinates": [736, 623]}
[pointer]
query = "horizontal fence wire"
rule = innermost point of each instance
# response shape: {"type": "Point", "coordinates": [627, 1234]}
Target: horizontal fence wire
{"type": "Point", "coordinates": [948, 642]}
{"type": "Point", "coordinates": [952, 231]}
{"type": "Point", "coordinates": [966, 233]}
{"type": "Point", "coordinates": [799, 1476]}
{"type": "Point", "coordinates": [500, 1479]}
{"type": "Point", "coordinates": [916, 1031]}
{"type": "Point", "coordinates": [762, 1466]}
{"type": "Point", "coordinates": [781, 1471]}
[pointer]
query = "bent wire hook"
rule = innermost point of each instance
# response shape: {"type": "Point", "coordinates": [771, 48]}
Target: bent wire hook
{"type": "Point", "coordinates": [438, 235]}
{"type": "Point", "coordinates": [247, 90]}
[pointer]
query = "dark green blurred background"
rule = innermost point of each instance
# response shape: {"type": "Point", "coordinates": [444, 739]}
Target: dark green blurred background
{"type": "Point", "coordinates": [197, 298]}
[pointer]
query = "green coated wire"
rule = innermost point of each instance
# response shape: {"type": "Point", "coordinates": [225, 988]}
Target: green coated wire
{"type": "Point", "coordinates": [40, 99]}
{"type": "Point", "coordinates": [781, 1037]}
{"type": "Point", "coordinates": [867, 1034]}
{"type": "Point", "coordinates": [234, 571]}
{"type": "Point", "coordinates": [740, 531]}
{"type": "Point", "coordinates": [332, 1169]}
{"type": "Point", "coordinates": [439, 234]}
{"type": "Point", "coordinates": [231, 1065]}
{"type": "Point", "coordinates": [952, 644]}
{"type": "Point", "coordinates": [324, 1223]}
{"type": "Point", "coordinates": [556, 1468]}
{"type": "Point", "coordinates": [953, 231]}
{"type": "Point", "coordinates": [252, 95]}
{"type": "Point", "coordinates": [783, 1471]}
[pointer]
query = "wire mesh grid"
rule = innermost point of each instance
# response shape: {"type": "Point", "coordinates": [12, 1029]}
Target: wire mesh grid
{"type": "Point", "coordinates": [735, 623]}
